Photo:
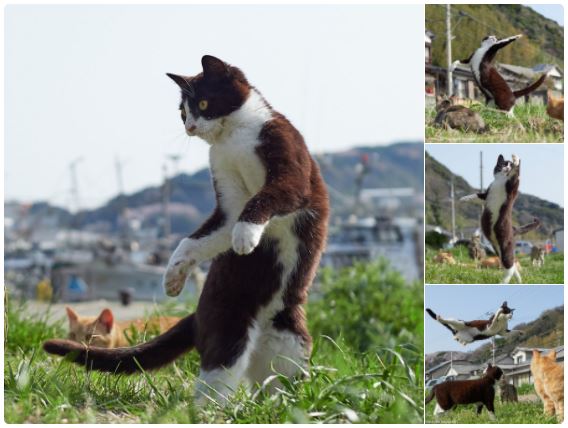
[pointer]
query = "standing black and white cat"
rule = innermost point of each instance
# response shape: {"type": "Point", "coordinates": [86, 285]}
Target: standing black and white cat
{"type": "Point", "coordinates": [466, 332]}
{"type": "Point", "coordinates": [488, 79]}
{"type": "Point", "coordinates": [265, 239]}
{"type": "Point", "coordinates": [497, 216]}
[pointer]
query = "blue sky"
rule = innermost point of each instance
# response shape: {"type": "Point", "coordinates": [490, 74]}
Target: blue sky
{"type": "Point", "coordinates": [89, 81]}
{"type": "Point", "coordinates": [542, 165]}
{"type": "Point", "coordinates": [551, 11]}
{"type": "Point", "coordinates": [476, 301]}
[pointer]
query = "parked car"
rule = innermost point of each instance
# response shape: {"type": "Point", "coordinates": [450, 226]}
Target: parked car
{"type": "Point", "coordinates": [523, 247]}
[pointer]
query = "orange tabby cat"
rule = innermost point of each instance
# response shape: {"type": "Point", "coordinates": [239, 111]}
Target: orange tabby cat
{"type": "Point", "coordinates": [549, 382]}
{"type": "Point", "coordinates": [555, 106]}
{"type": "Point", "coordinates": [103, 331]}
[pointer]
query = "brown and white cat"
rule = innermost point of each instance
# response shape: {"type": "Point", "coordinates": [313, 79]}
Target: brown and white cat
{"type": "Point", "coordinates": [555, 106]}
{"type": "Point", "coordinates": [497, 216]}
{"type": "Point", "coordinates": [455, 116]}
{"type": "Point", "coordinates": [466, 332]}
{"type": "Point", "coordinates": [474, 391]}
{"type": "Point", "coordinates": [488, 79]}
{"type": "Point", "coordinates": [103, 331]}
{"type": "Point", "coordinates": [265, 239]}
{"type": "Point", "coordinates": [549, 382]}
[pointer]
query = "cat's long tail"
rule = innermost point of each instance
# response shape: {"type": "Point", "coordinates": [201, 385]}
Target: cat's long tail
{"type": "Point", "coordinates": [527, 227]}
{"type": "Point", "coordinates": [430, 396]}
{"type": "Point", "coordinates": [529, 89]}
{"type": "Point", "coordinates": [154, 354]}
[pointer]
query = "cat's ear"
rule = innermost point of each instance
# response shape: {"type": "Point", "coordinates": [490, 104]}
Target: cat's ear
{"type": "Point", "coordinates": [552, 355]}
{"type": "Point", "coordinates": [214, 67]}
{"type": "Point", "coordinates": [106, 319]}
{"type": "Point", "coordinates": [489, 365]}
{"type": "Point", "coordinates": [500, 159]}
{"type": "Point", "coordinates": [71, 314]}
{"type": "Point", "coordinates": [182, 81]}
{"type": "Point", "coordinates": [536, 354]}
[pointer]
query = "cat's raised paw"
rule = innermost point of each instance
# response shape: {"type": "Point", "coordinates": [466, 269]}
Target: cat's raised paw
{"type": "Point", "coordinates": [175, 277]}
{"type": "Point", "coordinates": [246, 236]}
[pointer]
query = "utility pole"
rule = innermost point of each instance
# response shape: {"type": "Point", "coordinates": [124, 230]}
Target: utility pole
{"type": "Point", "coordinates": [481, 171]}
{"type": "Point", "coordinates": [453, 202]}
{"type": "Point", "coordinates": [166, 203]}
{"type": "Point", "coordinates": [481, 178]}
{"type": "Point", "coordinates": [118, 169]}
{"type": "Point", "coordinates": [449, 82]}
{"type": "Point", "coordinates": [75, 184]}
{"type": "Point", "coordinates": [493, 348]}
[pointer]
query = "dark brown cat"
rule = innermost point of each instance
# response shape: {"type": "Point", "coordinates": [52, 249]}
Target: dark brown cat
{"type": "Point", "coordinates": [476, 391]}
{"type": "Point", "coordinates": [265, 239]}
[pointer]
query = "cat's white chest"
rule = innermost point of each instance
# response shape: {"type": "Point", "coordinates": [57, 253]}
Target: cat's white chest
{"type": "Point", "coordinates": [238, 159]}
{"type": "Point", "coordinates": [475, 62]}
{"type": "Point", "coordinates": [496, 197]}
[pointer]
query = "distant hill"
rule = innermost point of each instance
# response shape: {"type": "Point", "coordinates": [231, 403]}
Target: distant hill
{"type": "Point", "coordinates": [192, 197]}
{"type": "Point", "coordinates": [437, 188]}
{"type": "Point", "coordinates": [547, 331]}
{"type": "Point", "coordinates": [543, 40]}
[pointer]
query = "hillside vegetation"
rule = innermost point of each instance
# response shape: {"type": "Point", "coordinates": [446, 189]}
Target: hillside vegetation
{"type": "Point", "coordinates": [543, 40]}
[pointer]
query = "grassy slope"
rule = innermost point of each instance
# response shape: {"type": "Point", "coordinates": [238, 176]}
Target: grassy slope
{"type": "Point", "coordinates": [366, 366]}
{"type": "Point", "coordinates": [507, 413]}
{"type": "Point", "coordinates": [530, 125]}
{"type": "Point", "coordinates": [465, 272]}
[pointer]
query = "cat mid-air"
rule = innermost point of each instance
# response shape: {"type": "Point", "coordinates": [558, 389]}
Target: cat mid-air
{"type": "Point", "coordinates": [488, 79]}
{"type": "Point", "coordinates": [497, 216]}
{"type": "Point", "coordinates": [466, 332]}
{"type": "Point", "coordinates": [264, 240]}
{"type": "Point", "coordinates": [105, 332]}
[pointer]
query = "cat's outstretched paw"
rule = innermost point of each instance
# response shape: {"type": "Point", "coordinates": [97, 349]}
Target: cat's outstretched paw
{"type": "Point", "coordinates": [179, 266]}
{"type": "Point", "coordinates": [468, 197]}
{"type": "Point", "coordinates": [516, 160]}
{"type": "Point", "coordinates": [246, 236]}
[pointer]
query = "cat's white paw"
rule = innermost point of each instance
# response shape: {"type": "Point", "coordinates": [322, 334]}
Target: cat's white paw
{"type": "Point", "coordinates": [246, 237]}
{"type": "Point", "coordinates": [180, 264]}
{"type": "Point", "coordinates": [516, 160]}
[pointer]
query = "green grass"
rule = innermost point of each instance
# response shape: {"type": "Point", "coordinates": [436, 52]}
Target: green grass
{"type": "Point", "coordinates": [465, 271]}
{"type": "Point", "coordinates": [507, 413]}
{"type": "Point", "coordinates": [530, 125]}
{"type": "Point", "coordinates": [366, 366]}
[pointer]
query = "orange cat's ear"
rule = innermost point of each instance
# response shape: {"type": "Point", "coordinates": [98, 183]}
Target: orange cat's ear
{"type": "Point", "coordinates": [536, 354]}
{"type": "Point", "coordinates": [552, 355]}
{"type": "Point", "coordinates": [106, 319]}
{"type": "Point", "coordinates": [71, 314]}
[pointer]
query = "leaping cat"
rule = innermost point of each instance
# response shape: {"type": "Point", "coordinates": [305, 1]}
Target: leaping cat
{"type": "Point", "coordinates": [497, 216]}
{"type": "Point", "coordinates": [488, 79]}
{"type": "Point", "coordinates": [466, 332]}
{"type": "Point", "coordinates": [264, 238]}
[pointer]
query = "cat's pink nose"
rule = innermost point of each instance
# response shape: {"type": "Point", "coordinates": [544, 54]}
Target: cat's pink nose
{"type": "Point", "coordinates": [192, 128]}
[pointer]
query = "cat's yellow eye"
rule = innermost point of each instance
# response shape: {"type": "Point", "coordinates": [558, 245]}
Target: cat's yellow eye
{"type": "Point", "coordinates": [203, 104]}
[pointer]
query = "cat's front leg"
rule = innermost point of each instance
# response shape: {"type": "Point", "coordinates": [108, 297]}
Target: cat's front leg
{"type": "Point", "coordinates": [246, 236]}
{"type": "Point", "coordinates": [181, 263]}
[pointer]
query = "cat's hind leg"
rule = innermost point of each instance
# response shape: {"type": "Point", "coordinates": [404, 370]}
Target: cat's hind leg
{"type": "Point", "coordinates": [278, 352]}
{"type": "Point", "coordinates": [509, 274]}
{"type": "Point", "coordinates": [218, 381]}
